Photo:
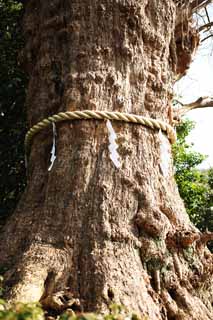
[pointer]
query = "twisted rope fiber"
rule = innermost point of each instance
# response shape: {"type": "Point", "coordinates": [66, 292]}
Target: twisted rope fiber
{"type": "Point", "coordinates": [99, 115]}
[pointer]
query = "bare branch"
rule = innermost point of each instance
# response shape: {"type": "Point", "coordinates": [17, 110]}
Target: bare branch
{"type": "Point", "coordinates": [205, 26]}
{"type": "Point", "coordinates": [202, 102]}
{"type": "Point", "coordinates": [209, 36]}
{"type": "Point", "coordinates": [197, 5]}
{"type": "Point", "coordinates": [178, 102]}
{"type": "Point", "coordinates": [207, 14]}
{"type": "Point", "coordinates": [194, 5]}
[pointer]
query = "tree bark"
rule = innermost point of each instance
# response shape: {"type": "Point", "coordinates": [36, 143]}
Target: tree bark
{"type": "Point", "coordinates": [87, 234]}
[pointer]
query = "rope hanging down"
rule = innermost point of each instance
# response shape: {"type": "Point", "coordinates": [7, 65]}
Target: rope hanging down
{"type": "Point", "coordinates": [100, 115]}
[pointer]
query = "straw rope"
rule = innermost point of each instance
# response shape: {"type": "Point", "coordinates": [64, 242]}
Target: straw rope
{"type": "Point", "coordinates": [99, 115]}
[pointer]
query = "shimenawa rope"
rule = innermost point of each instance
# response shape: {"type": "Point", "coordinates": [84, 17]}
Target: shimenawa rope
{"type": "Point", "coordinates": [99, 115]}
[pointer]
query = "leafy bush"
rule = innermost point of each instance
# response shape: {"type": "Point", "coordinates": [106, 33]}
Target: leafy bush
{"type": "Point", "coordinates": [21, 311]}
{"type": "Point", "coordinates": [195, 186]}
{"type": "Point", "coordinates": [117, 312]}
{"type": "Point", "coordinates": [33, 311]}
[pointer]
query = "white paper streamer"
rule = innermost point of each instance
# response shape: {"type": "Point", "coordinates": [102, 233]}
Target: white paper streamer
{"type": "Point", "coordinates": [53, 151]}
{"type": "Point", "coordinates": [114, 156]}
{"type": "Point", "coordinates": [164, 154]}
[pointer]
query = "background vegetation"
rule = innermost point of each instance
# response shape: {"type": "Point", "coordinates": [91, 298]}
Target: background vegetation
{"type": "Point", "coordinates": [195, 186]}
{"type": "Point", "coordinates": [12, 114]}
{"type": "Point", "coordinates": [34, 311]}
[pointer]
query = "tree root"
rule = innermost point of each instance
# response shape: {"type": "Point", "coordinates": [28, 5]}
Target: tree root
{"type": "Point", "coordinates": [25, 284]}
{"type": "Point", "coordinates": [61, 301]}
{"type": "Point", "coordinates": [39, 276]}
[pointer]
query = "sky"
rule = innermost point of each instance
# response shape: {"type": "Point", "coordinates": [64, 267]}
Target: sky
{"type": "Point", "coordinates": [197, 83]}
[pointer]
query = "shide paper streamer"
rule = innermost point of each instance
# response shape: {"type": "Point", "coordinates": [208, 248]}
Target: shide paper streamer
{"type": "Point", "coordinates": [114, 156]}
{"type": "Point", "coordinates": [53, 151]}
{"type": "Point", "coordinates": [164, 154]}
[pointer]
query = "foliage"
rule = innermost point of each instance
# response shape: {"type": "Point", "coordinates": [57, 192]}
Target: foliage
{"type": "Point", "coordinates": [117, 312]}
{"type": "Point", "coordinates": [12, 115]}
{"type": "Point", "coordinates": [1, 287]}
{"type": "Point", "coordinates": [206, 221]}
{"type": "Point", "coordinates": [21, 311]}
{"type": "Point", "coordinates": [33, 311]}
{"type": "Point", "coordinates": [191, 182]}
{"type": "Point", "coordinates": [195, 186]}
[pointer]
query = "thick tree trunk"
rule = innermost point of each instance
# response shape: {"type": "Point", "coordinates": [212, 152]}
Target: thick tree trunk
{"type": "Point", "coordinates": [87, 234]}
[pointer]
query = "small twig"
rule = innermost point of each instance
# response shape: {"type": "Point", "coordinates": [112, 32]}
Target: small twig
{"type": "Point", "coordinates": [178, 102]}
{"type": "Point", "coordinates": [205, 26]}
{"type": "Point", "coordinates": [209, 36]}
{"type": "Point", "coordinates": [197, 5]}
{"type": "Point", "coordinates": [207, 14]}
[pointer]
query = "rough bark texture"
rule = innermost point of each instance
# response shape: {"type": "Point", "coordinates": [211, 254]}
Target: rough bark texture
{"type": "Point", "coordinates": [87, 234]}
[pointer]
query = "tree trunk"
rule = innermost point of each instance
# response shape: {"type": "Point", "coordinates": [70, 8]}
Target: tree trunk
{"type": "Point", "coordinates": [86, 233]}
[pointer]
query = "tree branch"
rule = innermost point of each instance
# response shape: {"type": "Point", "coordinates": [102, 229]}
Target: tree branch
{"type": "Point", "coordinates": [202, 102]}
{"type": "Point", "coordinates": [207, 14]}
{"type": "Point", "coordinates": [194, 5]}
{"type": "Point", "coordinates": [205, 26]}
{"type": "Point", "coordinates": [199, 4]}
{"type": "Point", "coordinates": [209, 36]}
